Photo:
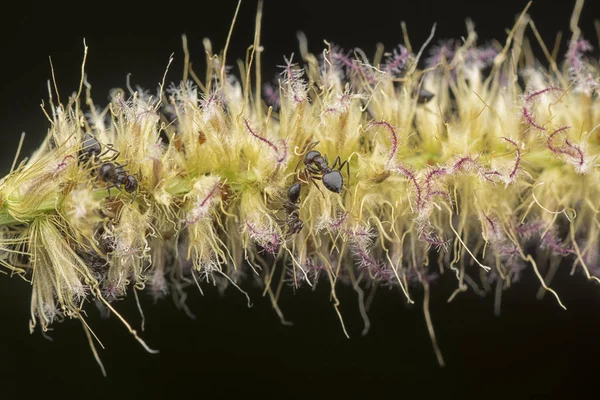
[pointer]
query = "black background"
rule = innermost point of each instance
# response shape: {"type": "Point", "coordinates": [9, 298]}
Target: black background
{"type": "Point", "coordinates": [535, 349]}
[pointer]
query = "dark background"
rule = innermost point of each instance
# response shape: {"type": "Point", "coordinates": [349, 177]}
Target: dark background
{"type": "Point", "coordinates": [534, 349]}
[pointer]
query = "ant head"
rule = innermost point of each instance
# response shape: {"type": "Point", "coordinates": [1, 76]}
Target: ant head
{"type": "Point", "coordinates": [131, 184]}
{"type": "Point", "coordinates": [310, 157]}
{"type": "Point", "coordinates": [333, 181]}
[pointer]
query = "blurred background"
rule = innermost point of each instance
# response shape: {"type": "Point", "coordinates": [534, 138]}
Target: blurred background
{"type": "Point", "coordinates": [534, 349]}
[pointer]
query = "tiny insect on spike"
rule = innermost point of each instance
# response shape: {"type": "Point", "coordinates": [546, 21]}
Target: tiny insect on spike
{"type": "Point", "coordinates": [201, 137]}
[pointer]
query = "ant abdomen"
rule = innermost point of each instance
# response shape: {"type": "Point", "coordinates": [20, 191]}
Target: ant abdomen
{"type": "Point", "coordinates": [90, 148]}
{"type": "Point", "coordinates": [333, 181]}
{"type": "Point", "coordinates": [293, 193]}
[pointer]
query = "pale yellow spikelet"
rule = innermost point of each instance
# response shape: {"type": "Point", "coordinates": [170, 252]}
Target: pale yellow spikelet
{"type": "Point", "coordinates": [60, 278]}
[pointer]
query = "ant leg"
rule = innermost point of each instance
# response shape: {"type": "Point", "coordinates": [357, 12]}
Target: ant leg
{"type": "Point", "coordinates": [301, 175]}
{"type": "Point", "coordinates": [305, 177]}
{"type": "Point", "coordinates": [108, 187]}
{"type": "Point", "coordinates": [341, 165]}
{"type": "Point", "coordinates": [312, 179]}
{"type": "Point", "coordinates": [347, 169]}
{"type": "Point", "coordinates": [110, 147]}
{"type": "Point", "coordinates": [134, 197]}
{"type": "Point", "coordinates": [139, 178]}
{"type": "Point", "coordinates": [335, 162]}
{"type": "Point", "coordinates": [310, 146]}
{"type": "Point", "coordinates": [295, 169]}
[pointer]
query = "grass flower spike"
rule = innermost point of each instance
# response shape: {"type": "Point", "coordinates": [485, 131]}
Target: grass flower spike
{"type": "Point", "coordinates": [397, 170]}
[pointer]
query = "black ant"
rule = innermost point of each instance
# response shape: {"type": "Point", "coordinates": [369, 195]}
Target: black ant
{"type": "Point", "coordinates": [110, 172]}
{"type": "Point", "coordinates": [317, 168]}
{"type": "Point", "coordinates": [116, 176]}
{"type": "Point", "coordinates": [292, 210]}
